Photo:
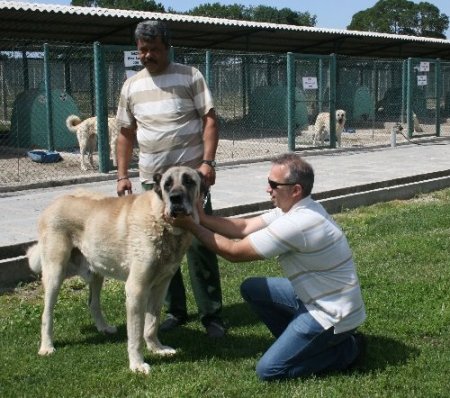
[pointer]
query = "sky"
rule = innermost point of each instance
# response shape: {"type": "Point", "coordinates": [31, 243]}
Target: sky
{"type": "Point", "coordinates": [330, 13]}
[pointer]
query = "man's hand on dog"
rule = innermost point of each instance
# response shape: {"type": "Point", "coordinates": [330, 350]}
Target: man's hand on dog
{"type": "Point", "coordinates": [209, 174]}
{"type": "Point", "coordinates": [124, 187]}
{"type": "Point", "coordinates": [187, 221]}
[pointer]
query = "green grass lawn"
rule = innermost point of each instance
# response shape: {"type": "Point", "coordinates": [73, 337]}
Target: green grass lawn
{"type": "Point", "coordinates": [402, 250]}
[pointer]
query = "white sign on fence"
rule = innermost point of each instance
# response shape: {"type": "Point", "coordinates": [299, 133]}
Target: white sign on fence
{"type": "Point", "coordinates": [131, 58]}
{"type": "Point", "coordinates": [309, 83]}
{"type": "Point", "coordinates": [422, 80]}
{"type": "Point", "coordinates": [424, 67]}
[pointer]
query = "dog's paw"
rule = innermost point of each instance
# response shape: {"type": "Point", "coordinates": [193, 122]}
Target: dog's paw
{"type": "Point", "coordinates": [164, 351]}
{"type": "Point", "coordinates": [108, 329]}
{"type": "Point", "coordinates": [140, 368]}
{"type": "Point", "coordinates": [46, 351]}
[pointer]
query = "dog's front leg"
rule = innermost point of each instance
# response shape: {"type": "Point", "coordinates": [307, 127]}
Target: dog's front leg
{"type": "Point", "coordinates": [154, 305]}
{"type": "Point", "coordinates": [136, 299]}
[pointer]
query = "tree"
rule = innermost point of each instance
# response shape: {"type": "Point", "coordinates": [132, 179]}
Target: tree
{"type": "Point", "coordinates": [259, 13]}
{"type": "Point", "coordinates": [141, 5]}
{"type": "Point", "coordinates": [402, 17]}
{"type": "Point", "coordinates": [217, 10]}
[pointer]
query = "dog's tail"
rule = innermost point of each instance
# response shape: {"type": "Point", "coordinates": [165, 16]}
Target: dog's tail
{"type": "Point", "coordinates": [71, 122]}
{"type": "Point", "coordinates": [34, 258]}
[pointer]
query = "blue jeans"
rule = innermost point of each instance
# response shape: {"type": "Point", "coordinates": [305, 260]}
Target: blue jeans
{"type": "Point", "coordinates": [302, 346]}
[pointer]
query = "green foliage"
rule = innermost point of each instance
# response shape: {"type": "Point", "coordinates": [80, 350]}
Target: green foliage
{"type": "Point", "coordinates": [401, 250]}
{"type": "Point", "coordinates": [218, 10]}
{"type": "Point", "coordinates": [402, 17]}
{"type": "Point", "coordinates": [259, 13]}
{"type": "Point", "coordinates": [213, 10]}
{"type": "Point", "coordinates": [141, 5]}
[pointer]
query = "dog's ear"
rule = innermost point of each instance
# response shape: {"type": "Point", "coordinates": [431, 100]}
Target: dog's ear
{"type": "Point", "coordinates": [203, 186]}
{"type": "Point", "coordinates": [157, 187]}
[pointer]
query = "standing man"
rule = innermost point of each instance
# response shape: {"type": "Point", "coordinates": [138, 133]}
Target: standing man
{"type": "Point", "coordinates": [169, 109]}
{"type": "Point", "coordinates": [314, 310]}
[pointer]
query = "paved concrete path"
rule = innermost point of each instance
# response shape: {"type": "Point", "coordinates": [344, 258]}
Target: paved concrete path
{"type": "Point", "coordinates": [242, 188]}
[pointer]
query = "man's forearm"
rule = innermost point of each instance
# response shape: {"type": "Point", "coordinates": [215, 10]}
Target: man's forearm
{"type": "Point", "coordinates": [210, 135]}
{"type": "Point", "coordinates": [125, 143]}
{"type": "Point", "coordinates": [230, 249]}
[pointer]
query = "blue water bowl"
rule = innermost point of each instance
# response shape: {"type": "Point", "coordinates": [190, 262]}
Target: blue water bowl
{"type": "Point", "coordinates": [44, 156]}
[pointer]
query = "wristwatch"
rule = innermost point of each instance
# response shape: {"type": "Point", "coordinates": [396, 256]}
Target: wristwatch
{"type": "Point", "coordinates": [211, 163]}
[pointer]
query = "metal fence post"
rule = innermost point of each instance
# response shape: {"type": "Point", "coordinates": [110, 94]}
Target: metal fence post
{"type": "Point", "coordinates": [101, 109]}
{"type": "Point", "coordinates": [290, 61]}
{"type": "Point", "coordinates": [48, 96]}
{"type": "Point", "coordinates": [332, 101]}
{"type": "Point", "coordinates": [320, 86]}
{"type": "Point", "coordinates": [404, 90]}
{"type": "Point", "coordinates": [437, 90]}
{"type": "Point", "coordinates": [409, 95]}
{"type": "Point", "coordinates": [208, 68]}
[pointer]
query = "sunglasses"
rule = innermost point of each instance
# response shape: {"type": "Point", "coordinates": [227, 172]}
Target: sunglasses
{"type": "Point", "coordinates": [275, 185]}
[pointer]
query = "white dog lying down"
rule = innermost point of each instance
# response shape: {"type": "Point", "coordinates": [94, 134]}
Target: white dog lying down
{"type": "Point", "coordinates": [126, 238]}
{"type": "Point", "coordinates": [322, 126]}
{"type": "Point", "coordinates": [86, 132]}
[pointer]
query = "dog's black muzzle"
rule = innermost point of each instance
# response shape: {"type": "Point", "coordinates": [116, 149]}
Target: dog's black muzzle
{"type": "Point", "coordinates": [177, 204]}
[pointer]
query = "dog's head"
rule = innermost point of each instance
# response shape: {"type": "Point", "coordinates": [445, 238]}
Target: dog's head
{"type": "Point", "coordinates": [179, 188]}
{"type": "Point", "coordinates": [340, 116]}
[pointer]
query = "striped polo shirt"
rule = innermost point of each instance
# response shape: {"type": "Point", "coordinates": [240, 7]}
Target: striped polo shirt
{"type": "Point", "coordinates": [166, 109]}
{"type": "Point", "coordinates": [316, 258]}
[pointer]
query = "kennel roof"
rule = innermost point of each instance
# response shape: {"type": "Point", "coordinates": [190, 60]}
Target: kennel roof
{"type": "Point", "coordinates": [59, 23]}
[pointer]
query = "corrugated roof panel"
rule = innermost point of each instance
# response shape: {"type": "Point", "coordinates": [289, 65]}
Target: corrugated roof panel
{"type": "Point", "coordinates": [111, 26]}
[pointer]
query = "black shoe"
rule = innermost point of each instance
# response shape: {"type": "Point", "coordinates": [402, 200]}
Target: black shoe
{"type": "Point", "coordinates": [215, 329]}
{"type": "Point", "coordinates": [361, 343]}
{"type": "Point", "coordinates": [171, 322]}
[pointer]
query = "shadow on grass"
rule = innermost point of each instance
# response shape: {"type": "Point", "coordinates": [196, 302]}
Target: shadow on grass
{"type": "Point", "coordinates": [190, 340]}
{"type": "Point", "coordinates": [246, 338]}
{"type": "Point", "coordinates": [382, 352]}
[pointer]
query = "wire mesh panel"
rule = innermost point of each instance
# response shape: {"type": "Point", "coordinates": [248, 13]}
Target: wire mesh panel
{"type": "Point", "coordinates": [41, 87]}
{"type": "Point", "coordinates": [445, 99]}
{"type": "Point", "coordinates": [312, 96]}
{"type": "Point", "coordinates": [371, 93]}
{"type": "Point", "coordinates": [250, 97]}
{"type": "Point", "coordinates": [260, 106]}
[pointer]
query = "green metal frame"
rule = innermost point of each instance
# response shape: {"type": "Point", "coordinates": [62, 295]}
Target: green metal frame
{"type": "Point", "coordinates": [101, 109]}
{"type": "Point", "coordinates": [291, 84]}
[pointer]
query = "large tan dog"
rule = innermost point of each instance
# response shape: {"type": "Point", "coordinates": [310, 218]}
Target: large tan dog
{"type": "Point", "coordinates": [322, 126]}
{"type": "Point", "coordinates": [126, 238]}
{"type": "Point", "coordinates": [86, 132]}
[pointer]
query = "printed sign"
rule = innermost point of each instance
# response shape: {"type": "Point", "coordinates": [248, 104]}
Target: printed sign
{"type": "Point", "coordinates": [422, 80]}
{"type": "Point", "coordinates": [424, 67]}
{"type": "Point", "coordinates": [131, 58]}
{"type": "Point", "coordinates": [309, 83]}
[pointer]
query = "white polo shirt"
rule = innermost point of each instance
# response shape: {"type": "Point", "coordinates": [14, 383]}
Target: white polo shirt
{"type": "Point", "coordinates": [315, 256]}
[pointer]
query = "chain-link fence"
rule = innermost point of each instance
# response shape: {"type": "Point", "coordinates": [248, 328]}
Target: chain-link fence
{"type": "Point", "coordinates": [266, 103]}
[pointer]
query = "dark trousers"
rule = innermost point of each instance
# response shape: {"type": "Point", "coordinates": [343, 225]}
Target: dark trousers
{"type": "Point", "coordinates": [205, 281]}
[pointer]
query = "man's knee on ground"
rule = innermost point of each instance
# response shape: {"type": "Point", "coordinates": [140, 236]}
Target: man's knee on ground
{"type": "Point", "coordinates": [267, 371]}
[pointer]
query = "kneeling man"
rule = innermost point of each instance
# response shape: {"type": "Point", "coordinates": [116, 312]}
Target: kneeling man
{"type": "Point", "coordinates": [314, 310]}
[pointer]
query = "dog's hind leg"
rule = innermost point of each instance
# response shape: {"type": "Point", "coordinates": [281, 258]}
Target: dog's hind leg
{"type": "Point", "coordinates": [152, 316]}
{"type": "Point", "coordinates": [91, 142]}
{"type": "Point", "coordinates": [95, 287]}
{"type": "Point", "coordinates": [83, 148]}
{"type": "Point", "coordinates": [53, 273]}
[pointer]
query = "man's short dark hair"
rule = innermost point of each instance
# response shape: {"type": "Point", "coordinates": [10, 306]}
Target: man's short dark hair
{"type": "Point", "coordinates": [300, 171]}
{"type": "Point", "coordinates": [150, 30]}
